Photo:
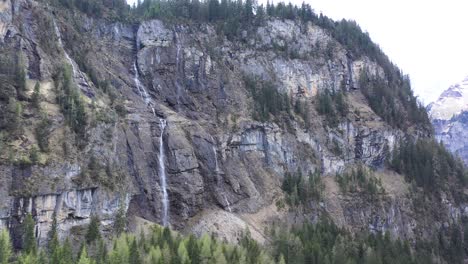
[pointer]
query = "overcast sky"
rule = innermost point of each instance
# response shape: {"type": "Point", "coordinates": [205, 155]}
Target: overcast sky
{"type": "Point", "coordinates": [427, 39]}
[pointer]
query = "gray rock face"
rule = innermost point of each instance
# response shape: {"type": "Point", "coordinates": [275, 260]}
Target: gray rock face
{"type": "Point", "coordinates": [218, 158]}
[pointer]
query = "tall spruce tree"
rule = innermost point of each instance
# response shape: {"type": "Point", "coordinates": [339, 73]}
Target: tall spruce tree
{"type": "Point", "coordinates": [93, 232]}
{"type": "Point", "coordinates": [29, 239]}
{"type": "Point", "coordinates": [5, 247]}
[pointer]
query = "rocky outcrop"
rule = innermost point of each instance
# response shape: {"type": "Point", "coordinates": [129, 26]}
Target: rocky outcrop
{"type": "Point", "coordinates": [219, 161]}
{"type": "Point", "coordinates": [449, 118]}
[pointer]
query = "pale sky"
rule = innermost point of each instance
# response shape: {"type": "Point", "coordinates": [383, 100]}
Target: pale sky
{"type": "Point", "coordinates": [427, 39]}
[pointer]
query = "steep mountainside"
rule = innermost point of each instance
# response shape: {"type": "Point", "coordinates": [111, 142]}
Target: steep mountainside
{"type": "Point", "coordinates": [449, 117]}
{"type": "Point", "coordinates": [183, 125]}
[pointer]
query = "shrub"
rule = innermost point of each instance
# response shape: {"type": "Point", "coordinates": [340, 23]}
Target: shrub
{"type": "Point", "coordinates": [42, 133]}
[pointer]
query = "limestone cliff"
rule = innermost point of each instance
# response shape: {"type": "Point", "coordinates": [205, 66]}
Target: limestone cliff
{"type": "Point", "coordinates": [171, 136]}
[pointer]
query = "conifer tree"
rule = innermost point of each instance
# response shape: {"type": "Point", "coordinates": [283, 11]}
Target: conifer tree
{"type": "Point", "coordinates": [29, 239]}
{"type": "Point", "coordinates": [155, 255]}
{"type": "Point", "coordinates": [193, 249]}
{"type": "Point", "coordinates": [93, 230]}
{"type": "Point", "coordinates": [83, 258]}
{"type": "Point", "coordinates": [42, 258]}
{"type": "Point", "coordinates": [120, 220]}
{"type": "Point", "coordinates": [134, 257]}
{"type": "Point", "coordinates": [101, 254]}
{"type": "Point", "coordinates": [182, 254]}
{"type": "Point", "coordinates": [205, 252]}
{"type": "Point", "coordinates": [5, 247]}
{"type": "Point", "coordinates": [166, 253]}
{"type": "Point", "coordinates": [36, 96]}
{"type": "Point", "coordinates": [66, 253]}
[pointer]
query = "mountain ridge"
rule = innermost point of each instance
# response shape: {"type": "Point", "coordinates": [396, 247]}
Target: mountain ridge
{"type": "Point", "coordinates": [235, 120]}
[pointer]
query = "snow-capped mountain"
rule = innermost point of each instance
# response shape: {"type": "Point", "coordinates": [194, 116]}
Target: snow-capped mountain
{"type": "Point", "coordinates": [449, 115]}
{"type": "Point", "coordinates": [451, 102]}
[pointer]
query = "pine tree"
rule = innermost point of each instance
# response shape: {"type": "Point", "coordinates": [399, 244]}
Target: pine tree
{"type": "Point", "coordinates": [134, 257]}
{"type": "Point", "coordinates": [53, 244]}
{"type": "Point", "coordinates": [84, 259]}
{"type": "Point", "coordinates": [101, 254]}
{"type": "Point", "coordinates": [20, 76]}
{"type": "Point", "coordinates": [5, 247]}
{"type": "Point", "coordinates": [182, 254]}
{"type": "Point", "coordinates": [193, 249]}
{"type": "Point", "coordinates": [205, 252]}
{"type": "Point", "coordinates": [93, 230]}
{"type": "Point", "coordinates": [42, 258]}
{"type": "Point", "coordinates": [65, 253]}
{"type": "Point", "coordinates": [36, 96]}
{"type": "Point", "coordinates": [27, 258]}
{"type": "Point", "coordinates": [281, 260]}
{"type": "Point", "coordinates": [29, 239]}
{"type": "Point", "coordinates": [166, 253]}
{"type": "Point", "coordinates": [120, 220]}
{"type": "Point", "coordinates": [155, 255]}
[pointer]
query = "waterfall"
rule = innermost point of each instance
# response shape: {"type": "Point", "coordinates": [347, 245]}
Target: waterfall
{"type": "Point", "coordinates": [162, 125]}
{"type": "Point", "coordinates": [76, 72]}
{"type": "Point", "coordinates": [141, 89]}
{"type": "Point", "coordinates": [216, 159]}
{"type": "Point", "coordinates": [217, 171]}
{"type": "Point", "coordinates": [227, 203]}
{"type": "Point", "coordinates": [162, 173]}
{"type": "Point", "coordinates": [178, 47]}
{"type": "Point", "coordinates": [59, 36]}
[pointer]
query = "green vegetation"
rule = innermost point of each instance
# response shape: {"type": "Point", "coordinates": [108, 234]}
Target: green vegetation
{"type": "Point", "coordinates": [394, 101]}
{"type": "Point", "coordinates": [301, 190]}
{"type": "Point", "coordinates": [107, 174]}
{"type": "Point", "coordinates": [391, 98]}
{"type": "Point", "coordinates": [302, 108]}
{"type": "Point", "coordinates": [268, 101]}
{"type": "Point", "coordinates": [159, 246]}
{"type": "Point", "coordinates": [71, 104]}
{"type": "Point", "coordinates": [270, 104]}
{"type": "Point", "coordinates": [120, 219]}
{"type": "Point", "coordinates": [332, 105]}
{"type": "Point", "coordinates": [360, 180]}
{"type": "Point", "coordinates": [5, 247]}
{"type": "Point", "coordinates": [324, 242]}
{"type": "Point", "coordinates": [29, 240]}
{"type": "Point", "coordinates": [428, 164]}
{"type": "Point", "coordinates": [36, 96]}
{"type": "Point", "coordinates": [42, 133]}
{"type": "Point", "coordinates": [13, 116]}
{"type": "Point", "coordinates": [20, 76]}
{"type": "Point", "coordinates": [93, 230]}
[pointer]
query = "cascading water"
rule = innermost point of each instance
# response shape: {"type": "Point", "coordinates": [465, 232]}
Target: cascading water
{"type": "Point", "coordinates": [141, 89]}
{"type": "Point", "coordinates": [59, 36]}
{"type": "Point", "coordinates": [178, 47]}
{"type": "Point", "coordinates": [217, 172]}
{"type": "Point", "coordinates": [76, 73]}
{"type": "Point", "coordinates": [228, 204]}
{"type": "Point", "coordinates": [162, 125]}
{"type": "Point", "coordinates": [162, 172]}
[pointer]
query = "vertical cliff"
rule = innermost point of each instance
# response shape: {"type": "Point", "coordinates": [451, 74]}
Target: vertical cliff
{"type": "Point", "coordinates": [187, 127]}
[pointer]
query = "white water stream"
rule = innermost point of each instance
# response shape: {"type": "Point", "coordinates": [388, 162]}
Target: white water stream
{"type": "Point", "coordinates": [76, 72]}
{"type": "Point", "coordinates": [162, 173]}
